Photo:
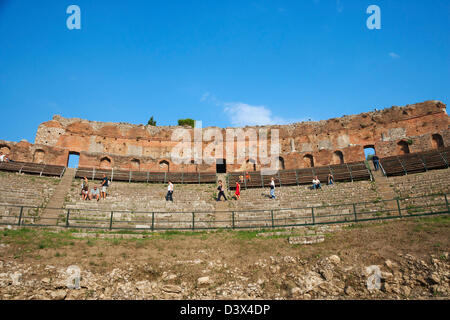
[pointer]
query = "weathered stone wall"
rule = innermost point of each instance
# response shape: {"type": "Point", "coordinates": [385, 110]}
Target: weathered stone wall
{"type": "Point", "coordinates": [37, 153]}
{"type": "Point", "coordinates": [125, 146]}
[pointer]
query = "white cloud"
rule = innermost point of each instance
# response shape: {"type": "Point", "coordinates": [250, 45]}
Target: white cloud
{"type": "Point", "coordinates": [393, 55]}
{"type": "Point", "coordinates": [241, 114]}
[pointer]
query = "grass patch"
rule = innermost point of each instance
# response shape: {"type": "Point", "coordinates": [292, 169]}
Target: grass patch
{"type": "Point", "coordinates": [37, 238]}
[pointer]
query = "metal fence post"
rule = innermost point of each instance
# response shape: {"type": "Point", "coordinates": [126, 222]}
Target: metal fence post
{"type": "Point", "coordinates": [446, 202]}
{"type": "Point", "coordinates": [399, 210]}
{"type": "Point", "coordinates": [20, 216]}
{"type": "Point", "coordinates": [271, 213]}
{"type": "Point", "coordinates": [67, 218]}
{"type": "Point", "coordinates": [193, 221]}
{"type": "Point", "coordinates": [111, 220]}
{"type": "Point", "coordinates": [313, 218]}
{"type": "Point", "coordinates": [354, 212]}
{"type": "Point", "coordinates": [232, 220]}
{"type": "Point", "coordinates": [153, 221]}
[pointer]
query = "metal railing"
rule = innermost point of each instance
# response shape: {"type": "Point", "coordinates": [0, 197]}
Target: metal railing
{"type": "Point", "coordinates": [243, 219]}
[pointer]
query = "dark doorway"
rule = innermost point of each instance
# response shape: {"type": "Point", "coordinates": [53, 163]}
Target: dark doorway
{"type": "Point", "coordinates": [221, 166]}
{"type": "Point", "coordinates": [308, 161]}
{"type": "Point", "coordinates": [437, 141]}
{"type": "Point", "coordinates": [402, 147]}
{"type": "Point", "coordinates": [280, 163]}
{"type": "Point", "coordinates": [337, 158]}
{"type": "Point", "coordinates": [72, 161]}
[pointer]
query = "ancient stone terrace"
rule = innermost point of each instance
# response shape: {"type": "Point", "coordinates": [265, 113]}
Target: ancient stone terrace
{"type": "Point", "coordinates": [26, 190]}
{"type": "Point", "coordinates": [303, 196]}
{"type": "Point", "coordinates": [145, 197]}
{"type": "Point", "coordinates": [419, 184]}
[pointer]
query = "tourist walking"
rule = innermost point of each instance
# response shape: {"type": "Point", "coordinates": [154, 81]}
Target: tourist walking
{"type": "Point", "coordinates": [238, 190]}
{"type": "Point", "coordinates": [169, 191]}
{"type": "Point", "coordinates": [221, 191]}
{"type": "Point", "coordinates": [272, 188]}
{"type": "Point", "coordinates": [376, 162]}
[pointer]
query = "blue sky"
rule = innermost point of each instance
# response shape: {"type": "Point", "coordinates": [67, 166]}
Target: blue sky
{"type": "Point", "coordinates": [226, 63]}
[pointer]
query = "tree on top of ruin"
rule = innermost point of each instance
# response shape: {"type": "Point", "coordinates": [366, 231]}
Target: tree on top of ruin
{"type": "Point", "coordinates": [151, 122]}
{"type": "Point", "coordinates": [186, 122]}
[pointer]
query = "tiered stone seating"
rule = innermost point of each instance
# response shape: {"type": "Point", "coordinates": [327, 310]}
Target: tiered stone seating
{"type": "Point", "coordinates": [344, 172]}
{"type": "Point", "coordinates": [420, 184]}
{"type": "Point", "coordinates": [143, 196]}
{"type": "Point", "coordinates": [17, 190]}
{"type": "Point", "coordinates": [137, 201]}
{"type": "Point", "coordinates": [303, 196]}
{"type": "Point", "coordinates": [144, 176]}
{"type": "Point", "coordinates": [32, 168]}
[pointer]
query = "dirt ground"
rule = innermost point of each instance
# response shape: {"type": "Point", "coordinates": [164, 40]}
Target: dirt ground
{"type": "Point", "coordinates": [231, 264]}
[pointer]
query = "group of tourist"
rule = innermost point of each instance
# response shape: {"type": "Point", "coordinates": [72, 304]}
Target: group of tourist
{"type": "Point", "coordinates": [4, 157]}
{"type": "Point", "coordinates": [237, 194]}
{"type": "Point", "coordinates": [100, 192]}
{"type": "Point", "coordinates": [96, 193]}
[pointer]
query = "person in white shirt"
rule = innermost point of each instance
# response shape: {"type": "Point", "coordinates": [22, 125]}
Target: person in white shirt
{"type": "Point", "coordinates": [316, 183]}
{"type": "Point", "coordinates": [2, 157]}
{"type": "Point", "coordinates": [272, 188]}
{"type": "Point", "coordinates": [169, 192]}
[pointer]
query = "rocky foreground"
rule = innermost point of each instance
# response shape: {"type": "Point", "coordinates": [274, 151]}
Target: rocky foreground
{"type": "Point", "coordinates": [284, 277]}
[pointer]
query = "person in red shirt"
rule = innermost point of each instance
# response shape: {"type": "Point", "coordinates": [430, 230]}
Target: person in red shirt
{"type": "Point", "coordinates": [238, 190]}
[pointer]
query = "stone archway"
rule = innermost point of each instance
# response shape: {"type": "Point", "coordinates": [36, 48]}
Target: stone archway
{"type": "Point", "coordinates": [436, 141]}
{"type": "Point", "coordinates": [369, 152]}
{"type": "Point", "coordinates": [164, 165]}
{"type": "Point", "coordinates": [135, 165]}
{"type": "Point", "coordinates": [5, 149]}
{"type": "Point", "coordinates": [337, 157]}
{"type": "Point", "coordinates": [39, 156]}
{"type": "Point", "coordinates": [308, 161]}
{"type": "Point", "coordinates": [250, 165]}
{"type": "Point", "coordinates": [402, 147]}
{"type": "Point", "coordinates": [105, 163]}
{"type": "Point", "coordinates": [281, 163]}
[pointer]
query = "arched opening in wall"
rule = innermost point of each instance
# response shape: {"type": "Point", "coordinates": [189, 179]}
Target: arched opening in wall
{"type": "Point", "coordinates": [221, 165]}
{"type": "Point", "coordinates": [437, 142]}
{"type": "Point", "coordinates": [73, 160]}
{"type": "Point", "coordinates": [280, 163]}
{"type": "Point", "coordinates": [39, 156]}
{"type": "Point", "coordinates": [164, 165]}
{"type": "Point", "coordinates": [308, 161]}
{"type": "Point", "coordinates": [105, 163]}
{"type": "Point", "coordinates": [250, 165]}
{"type": "Point", "coordinates": [369, 152]}
{"type": "Point", "coordinates": [337, 158]}
{"type": "Point", "coordinates": [4, 149]}
{"type": "Point", "coordinates": [135, 165]}
{"type": "Point", "coordinates": [403, 147]}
